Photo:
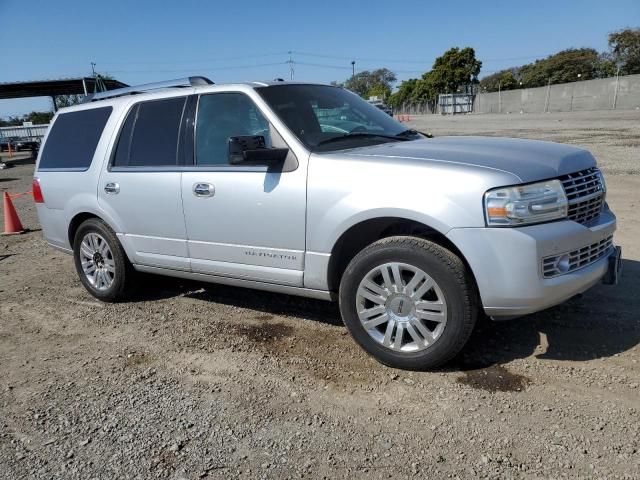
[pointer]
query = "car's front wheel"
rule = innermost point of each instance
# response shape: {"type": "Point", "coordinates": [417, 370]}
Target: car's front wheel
{"type": "Point", "coordinates": [101, 263]}
{"type": "Point", "coordinates": [408, 302]}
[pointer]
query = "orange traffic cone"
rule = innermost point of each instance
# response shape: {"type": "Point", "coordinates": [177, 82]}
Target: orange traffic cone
{"type": "Point", "coordinates": [12, 223]}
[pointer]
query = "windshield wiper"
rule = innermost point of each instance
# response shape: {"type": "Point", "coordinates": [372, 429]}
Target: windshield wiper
{"type": "Point", "coordinates": [412, 132]}
{"type": "Point", "coordinates": [362, 134]}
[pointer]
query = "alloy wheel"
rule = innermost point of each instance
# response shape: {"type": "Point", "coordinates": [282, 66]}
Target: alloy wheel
{"type": "Point", "coordinates": [401, 307]}
{"type": "Point", "coordinates": [97, 261]}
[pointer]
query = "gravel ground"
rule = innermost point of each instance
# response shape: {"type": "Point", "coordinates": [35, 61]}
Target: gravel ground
{"type": "Point", "coordinates": [192, 380]}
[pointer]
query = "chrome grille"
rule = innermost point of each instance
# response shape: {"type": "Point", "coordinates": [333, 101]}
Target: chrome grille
{"type": "Point", "coordinates": [585, 193]}
{"type": "Point", "coordinates": [568, 262]}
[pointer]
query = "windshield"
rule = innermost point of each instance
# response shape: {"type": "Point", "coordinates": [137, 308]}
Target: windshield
{"type": "Point", "coordinates": [328, 118]}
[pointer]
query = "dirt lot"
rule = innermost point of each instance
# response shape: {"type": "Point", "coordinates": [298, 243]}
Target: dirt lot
{"type": "Point", "coordinates": [192, 380]}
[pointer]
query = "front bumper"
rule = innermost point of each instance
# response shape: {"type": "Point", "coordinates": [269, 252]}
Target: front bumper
{"type": "Point", "coordinates": [506, 263]}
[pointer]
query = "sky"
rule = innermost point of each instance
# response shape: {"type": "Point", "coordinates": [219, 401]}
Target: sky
{"type": "Point", "coordinates": [141, 41]}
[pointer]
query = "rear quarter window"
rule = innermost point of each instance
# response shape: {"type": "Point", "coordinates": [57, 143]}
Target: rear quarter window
{"type": "Point", "coordinates": [73, 139]}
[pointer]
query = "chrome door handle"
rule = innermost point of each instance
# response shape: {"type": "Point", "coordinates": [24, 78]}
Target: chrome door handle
{"type": "Point", "coordinates": [112, 188]}
{"type": "Point", "coordinates": [203, 190]}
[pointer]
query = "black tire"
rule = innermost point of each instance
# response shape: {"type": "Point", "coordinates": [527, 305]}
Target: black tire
{"type": "Point", "coordinates": [121, 287]}
{"type": "Point", "coordinates": [445, 268]}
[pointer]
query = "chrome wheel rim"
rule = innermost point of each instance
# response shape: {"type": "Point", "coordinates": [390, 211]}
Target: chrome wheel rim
{"type": "Point", "coordinates": [97, 261]}
{"type": "Point", "coordinates": [401, 307]}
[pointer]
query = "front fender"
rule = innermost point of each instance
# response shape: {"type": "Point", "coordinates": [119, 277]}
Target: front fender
{"type": "Point", "coordinates": [345, 191]}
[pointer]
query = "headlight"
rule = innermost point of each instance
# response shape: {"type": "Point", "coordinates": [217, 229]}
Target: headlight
{"type": "Point", "coordinates": [525, 204]}
{"type": "Point", "coordinates": [602, 182]}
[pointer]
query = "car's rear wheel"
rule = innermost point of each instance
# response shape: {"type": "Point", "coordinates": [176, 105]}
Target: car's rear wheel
{"type": "Point", "coordinates": [408, 302]}
{"type": "Point", "coordinates": [101, 263]}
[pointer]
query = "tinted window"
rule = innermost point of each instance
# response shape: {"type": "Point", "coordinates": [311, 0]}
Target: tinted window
{"type": "Point", "coordinates": [149, 136]}
{"type": "Point", "coordinates": [73, 139]}
{"type": "Point", "coordinates": [224, 115]}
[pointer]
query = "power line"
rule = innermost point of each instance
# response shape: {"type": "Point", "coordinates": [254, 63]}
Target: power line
{"type": "Point", "coordinates": [406, 61]}
{"type": "Point", "coordinates": [361, 59]}
{"type": "Point", "coordinates": [349, 67]}
{"type": "Point", "coordinates": [203, 68]}
{"type": "Point", "coordinates": [198, 63]}
{"type": "Point", "coordinates": [183, 62]}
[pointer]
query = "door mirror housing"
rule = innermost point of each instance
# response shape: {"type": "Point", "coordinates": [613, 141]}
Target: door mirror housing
{"type": "Point", "coordinates": [252, 150]}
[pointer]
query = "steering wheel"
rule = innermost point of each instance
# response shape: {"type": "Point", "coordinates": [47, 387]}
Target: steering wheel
{"type": "Point", "coordinates": [359, 129]}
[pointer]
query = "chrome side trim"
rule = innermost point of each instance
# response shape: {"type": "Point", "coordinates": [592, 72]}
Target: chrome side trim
{"type": "Point", "coordinates": [192, 168]}
{"type": "Point", "coordinates": [235, 282]}
{"type": "Point", "coordinates": [68, 251]}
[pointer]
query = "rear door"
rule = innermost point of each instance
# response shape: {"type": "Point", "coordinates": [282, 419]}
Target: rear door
{"type": "Point", "coordinates": [141, 187]}
{"type": "Point", "coordinates": [245, 222]}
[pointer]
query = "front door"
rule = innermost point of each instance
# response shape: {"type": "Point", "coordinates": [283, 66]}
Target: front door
{"type": "Point", "coordinates": [245, 222]}
{"type": "Point", "coordinates": [141, 188]}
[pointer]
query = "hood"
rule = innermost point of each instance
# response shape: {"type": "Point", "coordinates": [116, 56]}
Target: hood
{"type": "Point", "coordinates": [529, 160]}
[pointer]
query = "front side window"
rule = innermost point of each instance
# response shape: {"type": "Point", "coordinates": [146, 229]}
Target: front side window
{"type": "Point", "coordinates": [221, 116]}
{"type": "Point", "coordinates": [149, 136]}
{"type": "Point", "coordinates": [328, 118]}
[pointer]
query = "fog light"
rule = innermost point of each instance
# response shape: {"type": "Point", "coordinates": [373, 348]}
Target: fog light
{"type": "Point", "coordinates": [563, 263]}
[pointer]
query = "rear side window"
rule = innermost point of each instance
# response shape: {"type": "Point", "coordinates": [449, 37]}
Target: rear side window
{"type": "Point", "coordinates": [73, 139]}
{"type": "Point", "coordinates": [149, 136]}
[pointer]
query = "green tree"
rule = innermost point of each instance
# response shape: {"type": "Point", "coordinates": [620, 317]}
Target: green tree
{"type": "Point", "coordinates": [625, 50]}
{"type": "Point", "coordinates": [38, 118]}
{"type": "Point", "coordinates": [366, 81]}
{"type": "Point", "coordinates": [62, 101]}
{"type": "Point", "coordinates": [379, 90]}
{"type": "Point", "coordinates": [502, 80]}
{"type": "Point", "coordinates": [563, 67]}
{"type": "Point", "coordinates": [455, 69]}
{"type": "Point", "coordinates": [404, 93]}
{"type": "Point", "coordinates": [426, 88]}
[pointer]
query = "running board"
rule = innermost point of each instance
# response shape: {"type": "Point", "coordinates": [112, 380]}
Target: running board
{"type": "Point", "coordinates": [237, 282]}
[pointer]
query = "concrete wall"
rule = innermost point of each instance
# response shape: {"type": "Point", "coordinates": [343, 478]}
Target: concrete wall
{"type": "Point", "coordinates": [598, 94]}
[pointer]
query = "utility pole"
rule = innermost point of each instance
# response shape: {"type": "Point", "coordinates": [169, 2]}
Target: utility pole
{"type": "Point", "coordinates": [521, 103]}
{"type": "Point", "coordinates": [291, 69]}
{"type": "Point", "coordinates": [353, 68]}
{"type": "Point", "coordinates": [93, 69]}
{"type": "Point", "coordinates": [615, 93]}
{"type": "Point", "coordinates": [547, 100]}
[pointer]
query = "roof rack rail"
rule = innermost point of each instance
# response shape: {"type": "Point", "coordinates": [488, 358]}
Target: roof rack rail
{"type": "Point", "coordinates": [178, 83]}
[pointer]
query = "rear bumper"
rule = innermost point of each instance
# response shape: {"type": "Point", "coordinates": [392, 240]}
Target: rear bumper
{"type": "Point", "coordinates": [507, 263]}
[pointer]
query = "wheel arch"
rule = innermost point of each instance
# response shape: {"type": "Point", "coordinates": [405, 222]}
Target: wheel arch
{"type": "Point", "coordinates": [80, 217]}
{"type": "Point", "coordinates": [366, 232]}
{"type": "Point", "coordinates": [78, 220]}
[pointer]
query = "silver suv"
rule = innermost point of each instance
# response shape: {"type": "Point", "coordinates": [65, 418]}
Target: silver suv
{"type": "Point", "coordinates": [309, 190]}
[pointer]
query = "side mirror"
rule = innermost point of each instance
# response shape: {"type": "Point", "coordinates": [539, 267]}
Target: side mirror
{"type": "Point", "coordinates": [252, 150]}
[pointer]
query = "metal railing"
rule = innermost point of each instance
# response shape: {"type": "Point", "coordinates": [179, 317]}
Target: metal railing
{"type": "Point", "coordinates": [418, 108]}
{"type": "Point", "coordinates": [33, 132]}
